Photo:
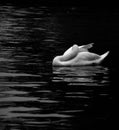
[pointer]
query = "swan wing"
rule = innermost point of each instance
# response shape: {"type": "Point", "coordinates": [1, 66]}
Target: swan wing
{"type": "Point", "coordinates": [87, 58]}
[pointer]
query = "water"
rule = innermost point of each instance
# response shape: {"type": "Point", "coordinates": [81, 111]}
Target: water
{"type": "Point", "coordinates": [35, 95]}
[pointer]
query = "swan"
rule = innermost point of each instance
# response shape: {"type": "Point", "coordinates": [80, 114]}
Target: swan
{"type": "Point", "coordinates": [79, 55]}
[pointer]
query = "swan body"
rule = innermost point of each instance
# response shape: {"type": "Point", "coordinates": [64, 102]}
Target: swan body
{"type": "Point", "coordinates": [79, 55]}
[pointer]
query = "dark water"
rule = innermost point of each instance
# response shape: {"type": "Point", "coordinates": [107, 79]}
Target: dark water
{"type": "Point", "coordinates": [35, 95]}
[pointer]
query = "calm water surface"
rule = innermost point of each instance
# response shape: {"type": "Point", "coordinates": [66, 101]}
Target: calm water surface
{"type": "Point", "coordinates": [33, 94]}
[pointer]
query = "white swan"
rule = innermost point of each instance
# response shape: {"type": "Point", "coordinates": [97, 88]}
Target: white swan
{"type": "Point", "coordinates": [79, 55]}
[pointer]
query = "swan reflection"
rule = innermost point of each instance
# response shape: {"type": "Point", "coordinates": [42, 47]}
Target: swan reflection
{"type": "Point", "coordinates": [84, 75]}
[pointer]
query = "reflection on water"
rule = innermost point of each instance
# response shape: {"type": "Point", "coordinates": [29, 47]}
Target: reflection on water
{"type": "Point", "coordinates": [84, 75]}
{"type": "Point", "coordinates": [35, 95]}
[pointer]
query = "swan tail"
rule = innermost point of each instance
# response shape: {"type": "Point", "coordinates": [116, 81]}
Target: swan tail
{"type": "Point", "coordinates": [102, 57]}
